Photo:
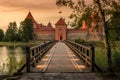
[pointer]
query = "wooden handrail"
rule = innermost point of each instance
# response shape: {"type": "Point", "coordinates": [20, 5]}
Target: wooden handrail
{"type": "Point", "coordinates": [34, 54]}
{"type": "Point", "coordinates": [86, 53]}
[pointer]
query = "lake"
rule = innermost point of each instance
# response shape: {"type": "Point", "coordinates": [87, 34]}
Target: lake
{"type": "Point", "coordinates": [16, 54]}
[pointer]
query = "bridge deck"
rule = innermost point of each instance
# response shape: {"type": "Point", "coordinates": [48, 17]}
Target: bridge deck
{"type": "Point", "coordinates": [60, 58]}
{"type": "Point", "coordinates": [57, 60]}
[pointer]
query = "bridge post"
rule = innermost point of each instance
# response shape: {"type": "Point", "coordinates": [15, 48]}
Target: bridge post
{"type": "Point", "coordinates": [92, 58]}
{"type": "Point", "coordinates": [28, 59]}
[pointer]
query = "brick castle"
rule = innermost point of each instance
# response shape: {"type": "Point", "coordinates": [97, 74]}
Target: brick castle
{"type": "Point", "coordinates": [62, 32]}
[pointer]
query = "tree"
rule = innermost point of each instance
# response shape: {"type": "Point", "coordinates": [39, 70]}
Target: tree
{"type": "Point", "coordinates": [26, 31]}
{"type": "Point", "coordinates": [114, 23]}
{"type": "Point", "coordinates": [20, 33]}
{"type": "Point", "coordinates": [1, 34]}
{"type": "Point", "coordinates": [11, 33]}
{"type": "Point", "coordinates": [105, 36]}
{"type": "Point", "coordinates": [82, 11]}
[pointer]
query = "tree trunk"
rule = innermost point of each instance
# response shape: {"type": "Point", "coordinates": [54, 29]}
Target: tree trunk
{"type": "Point", "coordinates": [105, 37]}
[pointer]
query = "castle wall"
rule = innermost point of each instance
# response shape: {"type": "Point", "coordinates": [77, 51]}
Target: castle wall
{"type": "Point", "coordinates": [50, 36]}
{"type": "Point", "coordinates": [75, 34]}
{"type": "Point", "coordinates": [94, 36]}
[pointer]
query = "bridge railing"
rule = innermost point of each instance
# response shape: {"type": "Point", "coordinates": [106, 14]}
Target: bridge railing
{"type": "Point", "coordinates": [34, 55]}
{"type": "Point", "coordinates": [86, 53]}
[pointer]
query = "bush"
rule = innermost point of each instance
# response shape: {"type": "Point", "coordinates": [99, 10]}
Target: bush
{"type": "Point", "coordinates": [116, 60]}
{"type": "Point", "coordinates": [79, 40]}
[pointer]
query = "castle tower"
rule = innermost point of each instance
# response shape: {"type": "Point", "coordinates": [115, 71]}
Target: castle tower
{"type": "Point", "coordinates": [49, 24]}
{"type": "Point", "coordinates": [60, 30]}
{"type": "Point", "coordinates": [29, 16]}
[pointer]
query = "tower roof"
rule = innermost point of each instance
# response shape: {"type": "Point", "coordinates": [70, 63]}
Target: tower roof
{"type": "Point", "coordinates": [49, 24]}
{"type": "Point", "coordinates": [29, 16]}
{"type": "Point", "coordinates": [61, 21]}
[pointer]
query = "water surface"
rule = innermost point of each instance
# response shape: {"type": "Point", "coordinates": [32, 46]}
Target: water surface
{"type": "Point", "coordinates": [6, 52]}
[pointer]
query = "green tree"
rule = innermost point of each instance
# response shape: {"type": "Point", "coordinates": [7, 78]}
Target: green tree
{"type": "Point", "coordinates": [105, 36]}
{"type": "Point", "coordinates": [114, 23]}
{"type": "Point", "coordinates": [26, 31]}
{"type": "Point", "coordinates": [1, 34]}
{"type": "Point", "coordinates": [11, 33]}
{"type": "Point", "coordinates": [80, 11]}
{"type": "Point", "coordinates": [20, 33]}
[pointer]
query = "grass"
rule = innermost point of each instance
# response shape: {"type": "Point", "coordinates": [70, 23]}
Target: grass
{"type": "Point", "coordinates": [100, 58]}
{"type": "Point", "coordinates": [31, 43]}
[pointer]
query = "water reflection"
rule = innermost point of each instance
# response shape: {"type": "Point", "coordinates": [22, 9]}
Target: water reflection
{"type": "Point", "coordinates": [6, 52]}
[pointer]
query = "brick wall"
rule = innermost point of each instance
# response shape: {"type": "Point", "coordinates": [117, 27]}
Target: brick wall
{"type": "Point", "coordinates": [73, 36]}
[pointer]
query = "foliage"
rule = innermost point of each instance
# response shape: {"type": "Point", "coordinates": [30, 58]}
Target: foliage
{"type": "Point", "coordinates": [25, 31]}
{"type": "Point", "coordinates": [116, 59]}
{"type": "Point", "coordinates": [13, 65]}
{"type": "Point", "coordinates": [114, 26]}
{"type": "Point", "coordinates": [30, 43]}
{"type": "Point", "coordinates": [100, 58]}
{"type": "Point", "coordinates": [111, 11]}
{"type": "Point", "coordinates": [81, 11]}
{"type": "Point", "coordinates": [96, 43]}
{"type": "Point", "coordinates": [11, 33]}
{"type": "Point", "coordinates": [79, 40]}
{"type": "Point", "coordinates": [1, 34]}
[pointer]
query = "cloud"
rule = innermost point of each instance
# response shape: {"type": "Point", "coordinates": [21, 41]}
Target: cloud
{"type": "Point", "coordinates": [12, 5]}
{"type": "Point", "coordinates": [28, 4]}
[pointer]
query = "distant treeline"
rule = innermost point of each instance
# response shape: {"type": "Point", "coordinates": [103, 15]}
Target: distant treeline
{"type": "Point", "coordinates": [23, 33]}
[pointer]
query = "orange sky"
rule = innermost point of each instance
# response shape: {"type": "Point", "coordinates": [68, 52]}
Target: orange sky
{"type": "Point", "coordinates": [42, 10]}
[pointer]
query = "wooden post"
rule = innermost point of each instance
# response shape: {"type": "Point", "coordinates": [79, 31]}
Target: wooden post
{"type": "Point", "coordinates": [28, 59]}
{"type": "Point", "coordinates": [92, 58]}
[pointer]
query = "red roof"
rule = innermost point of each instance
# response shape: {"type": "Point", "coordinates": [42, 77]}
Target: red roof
{"type": "Point", "coordinates": [49, 25]}
{"type": "Point", "coordinates": [61, 21]}
{"type": "Point", "coordinates": [44, 28]}
{"type": "Point", "coordinates": [29, 16]}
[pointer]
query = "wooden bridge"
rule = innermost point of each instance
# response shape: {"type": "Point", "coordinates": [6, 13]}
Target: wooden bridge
{"type": "Point", "coordinates": [59, 58]}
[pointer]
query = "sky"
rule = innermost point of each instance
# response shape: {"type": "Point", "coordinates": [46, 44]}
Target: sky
{"type": "Point", "coordinates": [43, 11]}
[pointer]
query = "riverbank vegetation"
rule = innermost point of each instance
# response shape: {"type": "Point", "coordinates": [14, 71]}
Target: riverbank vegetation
{"type": "Point", "coordinates": [14, 44]}
{"type": "Point", "coordinates": [100, 56]}
{"type": "Point", "coordinates": [11, 65]}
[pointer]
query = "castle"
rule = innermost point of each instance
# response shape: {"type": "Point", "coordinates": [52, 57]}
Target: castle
{"type": "Point", "coordinates": [62, 32]}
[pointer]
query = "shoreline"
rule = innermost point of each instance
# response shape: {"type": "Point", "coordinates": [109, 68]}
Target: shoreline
{"type": "Point", "coordinates": [31, 43]}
